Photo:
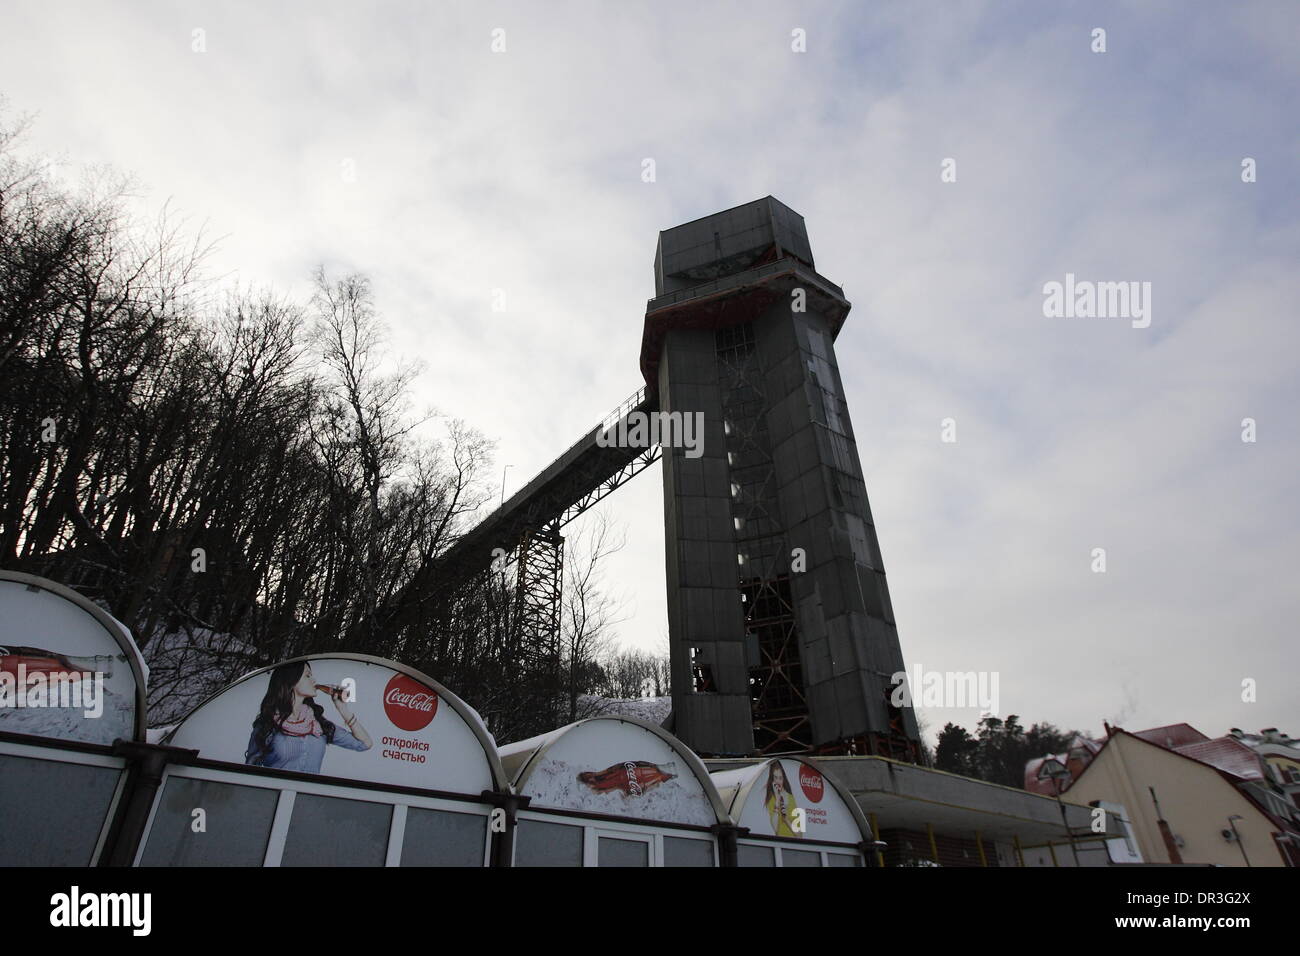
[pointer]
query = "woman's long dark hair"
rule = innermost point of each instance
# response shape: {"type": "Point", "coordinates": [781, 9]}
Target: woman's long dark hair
{"type": "Point", "coordinates": [277, 705]}
{"type": "Point", "coordinates": [771, 780]}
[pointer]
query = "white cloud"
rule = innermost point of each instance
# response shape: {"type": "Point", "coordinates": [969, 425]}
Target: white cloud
{"type": "Point", "coordinates": [521, 171]}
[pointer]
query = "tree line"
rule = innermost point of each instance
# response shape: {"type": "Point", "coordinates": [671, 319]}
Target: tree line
{"type": "Point", "coordinates": [999, 749]}
{"type": "Point", "coordinates": [235, 475]}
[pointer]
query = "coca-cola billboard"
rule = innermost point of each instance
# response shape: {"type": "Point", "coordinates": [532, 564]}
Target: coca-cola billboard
{"type": "Point", "coordinates": [633, 777]}
{"type": "Point", "coordinates": [345, 716]}
{"type": "Point", "coordinates": [792, 799]}
{"type": "Point", "coordinates": [409, 704]}
{"type": "Point", "coordinates": [614, 767]}
{"type": "Point", "coordinates": [67, 669]}
{"type": "Point", "coordinates": [811, 783]}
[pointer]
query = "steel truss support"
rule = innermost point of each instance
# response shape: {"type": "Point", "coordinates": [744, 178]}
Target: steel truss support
{"type": "Point", "coordinates": [781, 723]}
{"type": "Point", "coordinates": [608, 483]}
{"type": "Point", "coordinates": [535, 618]}
{"type": "Point", "coordinates": [539, 583]}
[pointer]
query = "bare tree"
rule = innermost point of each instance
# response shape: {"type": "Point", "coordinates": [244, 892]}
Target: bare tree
{"type": "Point", "coordinates": [232, 495]}
{"type": "Point", "coordinates": [588, 613]}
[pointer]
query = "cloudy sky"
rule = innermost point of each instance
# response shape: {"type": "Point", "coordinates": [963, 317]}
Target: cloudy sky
{"type": "Point", "coordinates": [391, 139]}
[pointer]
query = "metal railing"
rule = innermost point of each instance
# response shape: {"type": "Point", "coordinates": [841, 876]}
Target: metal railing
{"type": "Point", "coordinates": [624, 408]}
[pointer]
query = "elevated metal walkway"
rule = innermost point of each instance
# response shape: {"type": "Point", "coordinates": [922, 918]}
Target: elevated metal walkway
{"type": "Point", "coordinates": [564, 489]}
{"type": "Point", "coordinates": [527, 526]}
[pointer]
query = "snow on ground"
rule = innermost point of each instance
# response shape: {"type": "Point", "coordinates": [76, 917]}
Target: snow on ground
{"type": "Point", "coordinates": [653, 710]}
{"type": "Point", "coordinates": [187, 668]}
{"type": "Point", "coordinates": [71, 723]}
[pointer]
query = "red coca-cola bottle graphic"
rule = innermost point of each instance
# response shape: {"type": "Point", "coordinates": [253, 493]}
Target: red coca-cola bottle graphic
{"type": "Point", "coordinates": [633, 777]}
{"type": "Point", "coordinates": [39, 660]}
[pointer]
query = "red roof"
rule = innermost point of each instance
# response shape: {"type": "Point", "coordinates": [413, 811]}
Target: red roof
{"type": "Point", "coordinates": [1173, 736]}
{"type": "Point", "coordinates": [1226, 754]}
{"type": "Point", "coordinates": [1086, 743]}
{"type": "Point", "coordinates": [1032, 783]}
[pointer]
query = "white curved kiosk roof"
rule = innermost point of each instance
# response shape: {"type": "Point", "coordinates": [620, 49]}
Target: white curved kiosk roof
{"type": "Point", "coordinates": [614, 766]}
{"type": "Point", "coordinates": [422, 735]}
{"type": "Point", "coordinates": [68, 669]}
{"type": "Point", "coordinates": [764, 799]}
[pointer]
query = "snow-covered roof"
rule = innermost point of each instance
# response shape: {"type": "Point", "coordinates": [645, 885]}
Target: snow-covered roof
{"type": "Point", "coordinates": [1226, 754]}
{"type": "Point", "coordinates": [1171, 736]}
{"type": "Point", "coordinates": [618, 766]}
{"type": "Point", "coordinates": [653, 710]}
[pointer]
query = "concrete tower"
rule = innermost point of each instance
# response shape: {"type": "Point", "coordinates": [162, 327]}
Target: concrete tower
{"type": "Point", "coordinates": [782, 634]}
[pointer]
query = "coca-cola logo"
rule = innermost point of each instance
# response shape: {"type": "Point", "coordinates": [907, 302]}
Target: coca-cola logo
{"type": "Point", "coordinates": [812, 783]}
{"type": "Point", "coordinates": [634, 785]}
{"type": "Point", "coordinates": [408, 703]}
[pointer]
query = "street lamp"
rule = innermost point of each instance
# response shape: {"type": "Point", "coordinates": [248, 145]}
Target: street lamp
{"type": "Point", "coordinates": [1052, 769]}
{"type": "Point", "coordinates": [503, 482]}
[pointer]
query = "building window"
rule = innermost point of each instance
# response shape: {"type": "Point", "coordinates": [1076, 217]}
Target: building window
{"type": "Point", "coordinates": [332, 831]}
{"type": "Point", "coordinates": [800, 857]}
{"type": "Point", "coordinates": [236, 824]}
{"type": "Point", "coordinates": [38, 825]}
{"type": "Point", "coordinates": [443, 838]}
{"type": "Point", "coordinates": [547, 844]}
{"type": "Point", "coordinates": [843, 859]}
{"type": "Point", "coordinates": [683, 852]}
{"type": "Point", "coordinates": [612, 851]}
{"type": "Point", "coordinates": [750, 855]}
{"type": "Point", "coordinates": [701, 673]}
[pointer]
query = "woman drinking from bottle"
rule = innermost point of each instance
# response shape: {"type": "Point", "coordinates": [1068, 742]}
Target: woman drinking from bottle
{"type": "Point", "coordinates": [779, 801]}
{"type": "Point", "coordinates": [291, 731]}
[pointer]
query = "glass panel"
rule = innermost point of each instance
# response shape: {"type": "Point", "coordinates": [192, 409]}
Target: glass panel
{"type": "Point", "coordinates": [750, 855]}
{"type": "Point", "coordinates": [443, 838]}
{"type": "Point", "coordinates": [612, 852]}
{"type": "Point", "coordinates": [331, 831]}
{"type": "Point", "coordinates": [681, 852]}
{"type": "Point", "coordinates": [857, 529]}
{"type": "Point", "coordinates": [843, 859]}
{"type": "Point", "coordinates": [42, 828]}
{"type": "Point", "coordinates": [800, 857]}
{"type": "Point", "coordinates": [547, 844]}
{"type": "Point", "coordinates": [236, 824]}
